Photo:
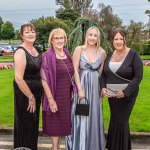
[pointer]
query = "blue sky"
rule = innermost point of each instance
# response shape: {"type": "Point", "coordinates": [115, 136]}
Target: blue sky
{"type": "Point", "coordinates": [22, 11]}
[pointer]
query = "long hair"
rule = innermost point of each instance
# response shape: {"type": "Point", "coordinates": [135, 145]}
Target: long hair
{"type": "Point", "coordinates": [98, 37]}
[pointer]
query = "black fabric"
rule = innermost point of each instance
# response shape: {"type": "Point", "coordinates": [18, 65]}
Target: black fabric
{"type": "Point", "coordinates": [120, 109]}
{"type": "Point", "coordinates": [82, 109]}
{"type": "Point", "coordinates": [26, 124]}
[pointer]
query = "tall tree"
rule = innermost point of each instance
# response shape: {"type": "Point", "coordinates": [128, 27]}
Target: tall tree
{"type": "Point", "coordinates": [148, 25]}
{"type": "Point", "coordinates": [44, 27]}
{"type": "Point", "coordinates": [135, 34]}
{"type": "Point", "coordinates": [67, 14]}
{"type": "Point", "coordinates": [80, 6]}
{"type": "Point", "coordinates": [76, 35]}
{"type": "Point", "coordinates": [105, 17]}
{"type": "Point", "coordinates": [7, 31]}
{"type": "Point", "coordinates": [1, 22]}
{"type": "Point", "coordinates": [66, 4]}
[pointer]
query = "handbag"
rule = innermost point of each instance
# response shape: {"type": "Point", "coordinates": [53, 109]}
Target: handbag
{"type": "Point", "coordinates": [112, 88]}
{"type": "Point", "coordinates": [82, 109]}
{"type": "Point", "coordinates": [74, 86]}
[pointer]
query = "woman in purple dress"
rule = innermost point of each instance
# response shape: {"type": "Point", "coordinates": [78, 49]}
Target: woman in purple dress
{"type": "Point", "coordinates": [57, 71]}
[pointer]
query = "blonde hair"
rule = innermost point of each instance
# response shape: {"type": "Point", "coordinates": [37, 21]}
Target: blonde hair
{"type": "Point", "coordinates": [98, 37]}
{"type": "Point", "coordinates": [54, 32]}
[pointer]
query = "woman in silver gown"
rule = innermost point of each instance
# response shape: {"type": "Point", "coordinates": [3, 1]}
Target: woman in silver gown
{"type": "Point", "coordinates": [88, 131]}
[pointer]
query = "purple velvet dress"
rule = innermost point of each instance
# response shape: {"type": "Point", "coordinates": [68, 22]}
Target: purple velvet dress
{"type": "Point", "coordinates": [59, 123]}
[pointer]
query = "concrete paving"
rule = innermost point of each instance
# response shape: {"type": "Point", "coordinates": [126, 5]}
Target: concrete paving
{"type": "Point", "coordinates": [6, 143]}
{"type": "Point", "coordinates": [140, 140]}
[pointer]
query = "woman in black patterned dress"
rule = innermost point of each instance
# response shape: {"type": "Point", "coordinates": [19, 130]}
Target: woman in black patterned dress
{"type": "Point", "coordinates": [27, 90]}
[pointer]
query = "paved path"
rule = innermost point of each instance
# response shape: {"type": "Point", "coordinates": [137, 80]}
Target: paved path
{"type": "Point", "coordinates": [6, 143]}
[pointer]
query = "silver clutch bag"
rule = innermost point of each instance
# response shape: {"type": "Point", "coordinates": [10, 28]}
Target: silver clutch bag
{"type": "Point", "coordinates": [112, 88]}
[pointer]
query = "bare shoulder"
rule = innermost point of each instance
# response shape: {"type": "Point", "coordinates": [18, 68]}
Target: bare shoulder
{"type": "Point", "coordinates": [19, 51]}
{"type": "Point", "coordinates": [19, 54]}
{"type": "Point", "coordinates": [103, 52]}
{"type": "Point", "coordinates": [78, 49]}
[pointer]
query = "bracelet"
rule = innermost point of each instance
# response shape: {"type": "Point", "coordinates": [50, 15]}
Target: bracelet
{"type": "Point", "coordinates": [52, 103]}
{"type": "Point", "coordinates": [79, 90]}
{"type": "Point", "coordinates": [30, 98]}
{"type": "Point", "coordinates": [50, 98]}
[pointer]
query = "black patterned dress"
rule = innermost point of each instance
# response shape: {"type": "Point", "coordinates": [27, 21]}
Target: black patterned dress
{"type": "Point", "coordinates": [26, 124]}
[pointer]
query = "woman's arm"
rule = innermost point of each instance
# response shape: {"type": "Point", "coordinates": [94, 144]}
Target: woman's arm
{"type": "Point", "coordinates": [20, 64]}
{"type": "Point", "coordinates": [76, 61]}
{"type": "Point", "coordinates": [103, 59]}
{"type": "Point", "coordinates": [138, 74]}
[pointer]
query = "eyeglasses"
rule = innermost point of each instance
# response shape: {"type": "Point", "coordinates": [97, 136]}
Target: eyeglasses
{"type": "Point", "coordinates": [58, 38]}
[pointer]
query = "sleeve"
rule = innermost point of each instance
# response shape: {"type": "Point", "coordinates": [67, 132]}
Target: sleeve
{"type": "Point", "coordinates": [138, 75]}
{"type": "Point", "coordinates": [103, 80]}
{"type": "Point", "coordinates": [44, 69]}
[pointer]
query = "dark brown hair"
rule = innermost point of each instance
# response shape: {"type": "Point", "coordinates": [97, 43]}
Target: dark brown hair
{"type": "Point", "coordinates": [122, 32]}
{"type": "Point", "coordinates": [29, 25]}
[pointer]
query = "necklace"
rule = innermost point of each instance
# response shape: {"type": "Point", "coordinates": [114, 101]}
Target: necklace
{"type": "Point", "coordinates": [32, 51]}
{"type": "Point", "coordinates": [60, 54]}
{"type": "Point", "coordinates": [120, 55]}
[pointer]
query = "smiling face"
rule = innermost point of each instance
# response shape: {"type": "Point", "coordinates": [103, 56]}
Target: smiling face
{"type": "Point", "coordinates": [118, 41]}
{"type": "Point", "coordinates": [28, 34]}
{"type": "Point", "coordinates": [92, 37]}
{"type": "Point", "coordinates": [58, 41]}
{"type": "Point", "coordinates": [57, 38]}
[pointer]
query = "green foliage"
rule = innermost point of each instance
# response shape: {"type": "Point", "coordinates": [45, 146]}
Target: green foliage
{"type": "Point", "coordinates": [80, 6]}
{"type": "Point", "coordinates": [142, 47]}
{"type": "Point", "coordinates": [1, 22]}
{"type": "Point", "coordinates": [146, 48]}
{"type": "Point", "coordinates": [67, 14]}
{"type": "Point", "coordinates": [7, 31]}
{"type": "Point", "coordinates": [105, 18]}
{"type": "Point", "coordinates": [45, 25]}
{"type": "Point", "coordinates": [108, 20]}
{"type": "Point", "coordinates": [76, 36]}
{"type": "Point", "coordinates": [64, 3]}
{"type": "Point", "coordinates": [134, 33]}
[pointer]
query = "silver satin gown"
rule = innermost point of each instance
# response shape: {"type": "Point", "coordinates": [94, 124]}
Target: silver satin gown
{"type": "Point", "coordinates": [88, 132]}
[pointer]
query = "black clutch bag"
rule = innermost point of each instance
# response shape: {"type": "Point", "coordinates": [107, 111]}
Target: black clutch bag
{"type": "Point", "coordinates": [82, 109]}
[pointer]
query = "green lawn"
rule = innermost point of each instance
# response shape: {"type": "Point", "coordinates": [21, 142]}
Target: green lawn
{"type": "Point", "coordinates": [139, 121]}
{"type": "Point", "coordinates": [8, 58]}
{"type": "Point", "coordinates": [145, 57]}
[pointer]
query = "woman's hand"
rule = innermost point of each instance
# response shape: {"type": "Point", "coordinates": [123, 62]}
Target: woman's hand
{"type": "Point", "coordinates": [104, 93]}
{"type": "Point", "coordinates": [119, 94]}
{"type": "Point", "coordinates": [32, 104]}
{"type": "Point", "coordinates": [81, 94]}
{"type": "Point", "coordinates": [53, 106]}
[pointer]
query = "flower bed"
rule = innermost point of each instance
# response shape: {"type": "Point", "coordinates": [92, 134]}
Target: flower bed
{"type": "Point", "coordinates": [147, 63]}
{"type": "Point", "coordinates": [8, 66]}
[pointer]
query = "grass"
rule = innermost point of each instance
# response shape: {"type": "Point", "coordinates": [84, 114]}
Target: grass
{"type": "Point", "coordinates": [145, 57]}
{"type": "Point", "coordinates": [8, 58]}
{"type": "Point", "coordinates": [7, 98]}
{"type": "Point", "coordinates": [139, 120]}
